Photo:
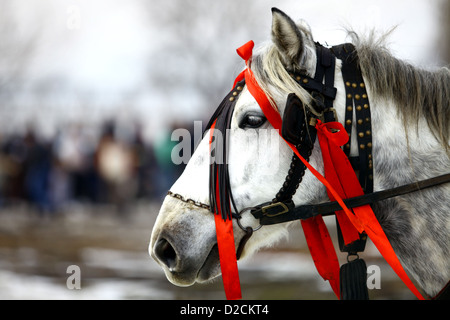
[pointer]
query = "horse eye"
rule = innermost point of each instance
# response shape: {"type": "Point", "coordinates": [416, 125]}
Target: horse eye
{"type": "Point", "coordinates": [252, 121]}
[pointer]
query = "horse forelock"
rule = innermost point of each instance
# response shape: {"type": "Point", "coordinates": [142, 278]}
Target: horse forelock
{"type": "Point", "coordinates": [273, 77]}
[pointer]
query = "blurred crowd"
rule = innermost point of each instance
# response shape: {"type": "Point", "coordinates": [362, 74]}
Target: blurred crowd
{"type": "Point", "coordinates": [79, 165]}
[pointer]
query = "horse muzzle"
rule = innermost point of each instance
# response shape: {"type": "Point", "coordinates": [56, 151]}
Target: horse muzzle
{"type": "Point", "coordinates": [184, 244]}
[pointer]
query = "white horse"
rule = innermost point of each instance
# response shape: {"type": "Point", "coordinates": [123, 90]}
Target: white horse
{"type": "Point", "coordinates": [410, 110]}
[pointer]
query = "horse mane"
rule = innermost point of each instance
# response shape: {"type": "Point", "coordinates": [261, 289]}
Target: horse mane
{"type": "Point", "coordinates": [417, 93]}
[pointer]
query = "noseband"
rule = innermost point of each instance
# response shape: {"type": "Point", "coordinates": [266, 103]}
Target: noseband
{"type": "Point", "coordinates": [299, 129]}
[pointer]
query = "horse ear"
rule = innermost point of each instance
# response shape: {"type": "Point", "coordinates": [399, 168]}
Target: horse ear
{"type": "Point", "coordinates": [287, 37]}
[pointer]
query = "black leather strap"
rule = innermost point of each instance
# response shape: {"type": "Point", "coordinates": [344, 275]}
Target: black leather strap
{"type": "Point", "coordinates": [357, 103]}
{"type": "Point", "coordinates": [296, 119]}
{"type": "Point", "coordinates": [296, 130]}
{"type": "Point", "coordinates": [222, 201]}
{"type": "Point", "coordinates": [356, 109]}
{"type": "Point", "coordinates": [284, 212]}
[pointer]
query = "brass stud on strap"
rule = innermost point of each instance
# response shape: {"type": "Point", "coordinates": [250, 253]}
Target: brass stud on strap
{"type": "Point", "coordinates": [357, 96]}
{"type": "Point", "coordinates": [239, 88]}
{"type": "Point", "coordinates": [369, 145]}
{"type": "Point", "coordinates": [348, 122]}
{"type": "Point", "coordinates": [349, 96]}
{"type": "Point", "coordinates": [305, 81]}
{"type": "Point", "coordinates": [366, 106]}
{"type": "Point", "coordinates": [354, 85]}
{"type": "Point", "coordinates": [231, 99]}
{"type": "Point", "coordinates": [348, 84]}
{"type": "Point", "coordinates": [349, 108]}
{"type": "Point", "coordinates": [360, 121]}
{"type": "Point", "coordinates": [359, 108]}
{"type": "Point", "coordinates": [361, 134]}
{"type": "Point", "coordinates": [362, 146]}
{"type": "Point", "coordinates": [362, 85]}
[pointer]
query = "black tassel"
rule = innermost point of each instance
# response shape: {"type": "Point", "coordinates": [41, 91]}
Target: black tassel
{"type": "Point", "coordinates": [353, 280]}
{"type": "Point", "coordinates": [218, 172]}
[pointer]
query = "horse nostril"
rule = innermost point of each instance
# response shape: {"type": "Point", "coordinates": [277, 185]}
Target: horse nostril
{"type": "Point", "coordinates": [165, 253]}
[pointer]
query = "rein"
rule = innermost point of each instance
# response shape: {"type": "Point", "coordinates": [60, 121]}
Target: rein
{"type": "Point", "coordinates": [300, 129]}
{"type": "Point", "coordinates": [285, 212]}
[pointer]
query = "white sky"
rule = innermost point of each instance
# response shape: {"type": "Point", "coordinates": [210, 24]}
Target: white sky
{"type": "Point", "coordinates": [113, 36]}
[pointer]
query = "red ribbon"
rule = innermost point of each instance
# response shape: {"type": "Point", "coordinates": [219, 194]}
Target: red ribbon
{"type": "Point", "coordinates": [339, 169]}
{"type": "Point", "coordinates": [342, 183]}
{"type": "Point", "coordinates": [331, 136]}
{"type": "Point", "coordinates": [226, 247]}
{"type": "Point", "coordinates": [227, 256]}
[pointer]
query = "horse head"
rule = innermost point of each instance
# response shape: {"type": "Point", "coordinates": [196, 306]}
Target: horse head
{"type": "Point", "coordinates": [183, 240]}
{"type": "Point", "coordinates": [407, 131]}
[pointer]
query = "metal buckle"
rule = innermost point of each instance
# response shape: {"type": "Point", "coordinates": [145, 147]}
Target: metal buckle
{"type": "Point", "coordinates": [265, 209]}
{"type": "Point", "coordinates": [334, 113]}
{"type": "Point", "coordinates": [239, 216]}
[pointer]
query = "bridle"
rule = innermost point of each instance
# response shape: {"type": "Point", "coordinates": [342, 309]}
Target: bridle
{"type": "Point", "coordinates": [299, 129]}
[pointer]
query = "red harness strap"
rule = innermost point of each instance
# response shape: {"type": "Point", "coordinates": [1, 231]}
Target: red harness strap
{"type": "Point", "coordinates": [343, 184]}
